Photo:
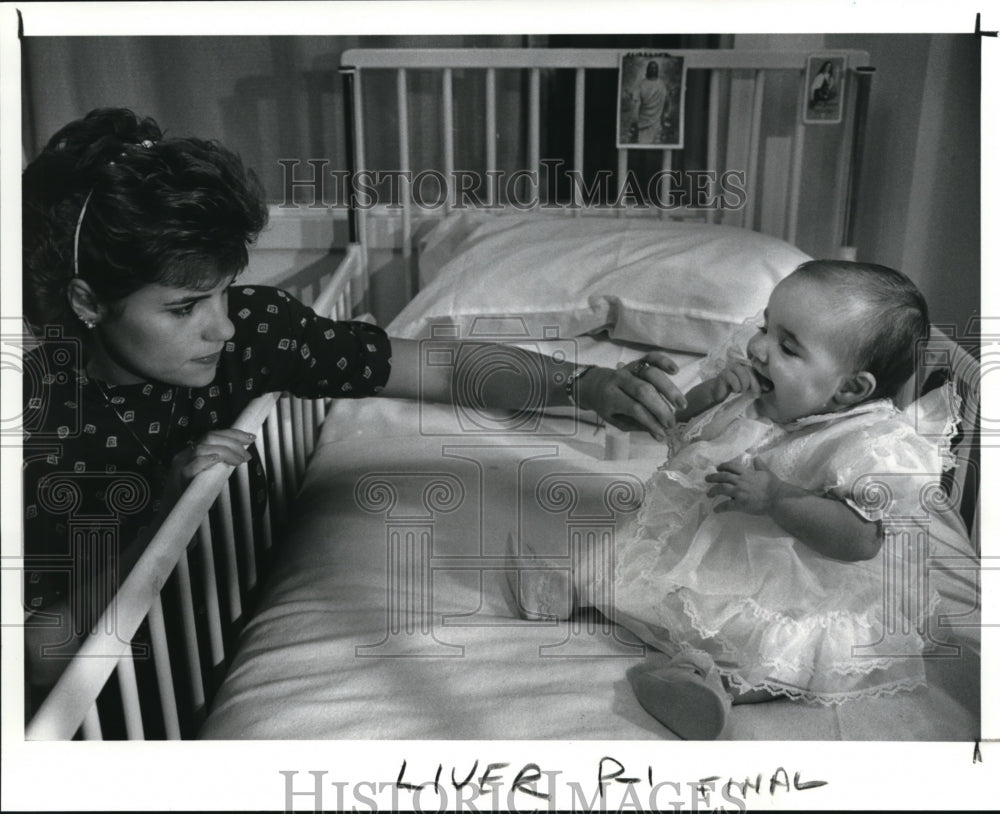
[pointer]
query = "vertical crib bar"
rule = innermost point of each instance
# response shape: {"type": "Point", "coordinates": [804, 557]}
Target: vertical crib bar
{"type": "Point", "coordinates": [348, 308]}
{"type": "Point", "coordinates": [974, 531]}
{"type": "Point", "coordinates": [841, 215]}
{"type": "Point", "coordinates": [92, 725]}
{"type": "Point", "coordinates": [862, 90]}
{"type": "Point", "coordinates": [211, 592]}
{"type": "Point", "coordinates": [287, 447]}
{"type": "Point", "coordinates": [534, 133]}
{"type": "Point", "coordinates": [130, 698]}
{"type": "Point", "coordinates": [190, 632]}
{"type": "Point", "coordinates": [299, 447]}
{"type": "Point", "coordinates": [265, 528]}
{"type": "Point", "coordinates": [620, 179]}
{"type": "Point", "coordinates": [309, 428]}
{"type": "Point", "coordinates": [349, 77]}
{"type": "Point", "coordinates": [319, 413]}
{"type": "Point", "coordinates": [664, 184]}
{"type": "Point", "coordinates": [712, 158]}
{"type": "Point", "coordinates": [753, 149]}
{"type": "Point", "coordinates": [359, 158]}
{"type": "Point", "coordinates": [275, 474]}
{"type": "Point", "coordinates": [245, 524]}
{"type": "Point", "coordinates": [798, 151]}
{"type": "Point", "coordinates": [164, 677]}
{"type": "Point", "coordinates": [404, 165]}
{"type": "Point", "coordinates": [578, 138]}
{"type": "Point", "coordinates": [448, 132]}
{"type": "Point", "coordinates": [224, 508]}
{"type": "Point", "coordinates": [491, 136]}
{"type": "Point", "coordinates": [265, 519]}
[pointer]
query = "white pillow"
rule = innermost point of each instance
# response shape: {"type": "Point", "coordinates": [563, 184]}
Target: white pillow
{"type": "Point", "coordinates": [680, 286]}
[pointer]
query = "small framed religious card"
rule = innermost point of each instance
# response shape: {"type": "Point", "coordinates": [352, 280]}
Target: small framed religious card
{"type": "Point", "coordinates": [826, 76]}
{"type": "Point", "coordinates": [651, 101]}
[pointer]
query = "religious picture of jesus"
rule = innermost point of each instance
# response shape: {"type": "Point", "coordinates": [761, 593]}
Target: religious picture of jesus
{"type": "Point", "coordinates": [651, 101]}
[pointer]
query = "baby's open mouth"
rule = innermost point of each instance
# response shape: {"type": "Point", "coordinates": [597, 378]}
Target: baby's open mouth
{"type": "Point", "coordinates": [766, 385]}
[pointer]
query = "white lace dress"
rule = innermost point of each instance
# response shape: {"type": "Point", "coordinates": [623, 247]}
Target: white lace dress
{"type": "Point", "coordinates": [773, 613]}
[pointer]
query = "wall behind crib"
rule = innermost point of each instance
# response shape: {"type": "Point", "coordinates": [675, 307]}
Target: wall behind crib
{"type": "Point", "coordinates": [919, 202]}
{"type": "Point", "coordinates": [280, 97]}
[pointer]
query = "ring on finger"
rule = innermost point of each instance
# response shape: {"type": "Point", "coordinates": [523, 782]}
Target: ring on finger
{"type": "Point", "coordinates": [639, 367]}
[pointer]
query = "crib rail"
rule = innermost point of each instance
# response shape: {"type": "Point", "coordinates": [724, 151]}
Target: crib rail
{"type": "Point", "coordinates": [211, 523]}
{"type": "Point", "coordinates": [738, 136]}
{"type": "Point", "coordinates": [941, 358]}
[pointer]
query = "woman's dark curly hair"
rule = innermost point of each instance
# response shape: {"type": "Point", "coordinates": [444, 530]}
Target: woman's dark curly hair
{"type": "Point", "coordinates": [175, 211]}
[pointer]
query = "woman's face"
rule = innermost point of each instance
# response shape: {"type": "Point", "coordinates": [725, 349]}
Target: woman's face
{"type": "Point", "coordinates": [165, 334]}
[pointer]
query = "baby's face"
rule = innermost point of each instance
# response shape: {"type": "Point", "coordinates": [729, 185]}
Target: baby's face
{"type": "Point", "coordinates": [796, 353]}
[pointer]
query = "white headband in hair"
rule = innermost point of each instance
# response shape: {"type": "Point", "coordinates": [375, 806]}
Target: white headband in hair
{"type": "Point", "coordinates": [146, 144]}
{"type": "Point", "coordinates": [76, 235]}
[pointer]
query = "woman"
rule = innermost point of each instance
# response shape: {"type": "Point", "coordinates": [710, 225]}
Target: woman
{"type": "Point", "coordinates": [148, 352]}
{"type": "Point", "coordinates": [824, 86]}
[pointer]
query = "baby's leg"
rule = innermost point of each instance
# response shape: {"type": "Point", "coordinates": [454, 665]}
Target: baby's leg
{"type": "Point", "coordinates": [592, 571]}
{"type": "Point", "coordinates": [546, 587]}
{"type": "Point", "coordinates": [542, 593]}
{"type": "Point", "coordinates": [746, 696]}
{"type": "Point", "coordinates": [541, 587]}
{"type": "Point", "coordinates": [749, 696]}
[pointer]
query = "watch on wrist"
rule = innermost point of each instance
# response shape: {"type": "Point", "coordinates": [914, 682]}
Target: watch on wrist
{"type": "Point", "coordinates": [571, 382]}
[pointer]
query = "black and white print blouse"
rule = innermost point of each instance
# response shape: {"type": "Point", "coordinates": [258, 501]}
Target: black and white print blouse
{"type": "Point", "coordinates": [96, 455]}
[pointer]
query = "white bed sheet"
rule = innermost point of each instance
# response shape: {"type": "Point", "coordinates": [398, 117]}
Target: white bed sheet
{"type": "Point", "coordinates": [479, 672]}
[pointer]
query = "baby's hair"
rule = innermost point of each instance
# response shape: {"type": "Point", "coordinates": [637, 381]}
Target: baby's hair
{"type": "Point", "coordinates": [174, 211]}
{"type": "Point", "coordinates": [886, 313]}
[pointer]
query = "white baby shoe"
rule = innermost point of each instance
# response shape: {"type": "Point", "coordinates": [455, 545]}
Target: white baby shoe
{"type": "Point", "coordinates": [685, 694]}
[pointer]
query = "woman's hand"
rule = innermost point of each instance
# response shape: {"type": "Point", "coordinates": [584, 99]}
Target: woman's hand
{"type": "Point", "coordinates": [753, 488]}
{"type": "Point", "coordinates": [225, 446]}
{"type": "Point", "coordinates": [638, 396]}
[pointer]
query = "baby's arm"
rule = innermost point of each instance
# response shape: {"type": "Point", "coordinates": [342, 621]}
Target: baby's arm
{"type": "Point", "coordinates": [737, 377]}
{"type": "Point", "coordinates": [826, 525]}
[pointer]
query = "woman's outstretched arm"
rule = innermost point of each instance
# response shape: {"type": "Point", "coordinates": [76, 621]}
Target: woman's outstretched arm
{"type": "Point", "coordinates": [635, 397]}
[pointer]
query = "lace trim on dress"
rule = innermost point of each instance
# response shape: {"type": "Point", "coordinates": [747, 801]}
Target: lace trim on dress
{"type": "Point", "coordinates": [886, 689]}
{"type": "Point", "coordinates": [855, 667]}
{"type": "Point", "coordinates": [826, 699]}
{"type": "Point", "coordinates": [939, 413]}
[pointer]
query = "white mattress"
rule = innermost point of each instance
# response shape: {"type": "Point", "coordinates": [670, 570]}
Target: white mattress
{"type": "Point", "coordinates": [317, 662]}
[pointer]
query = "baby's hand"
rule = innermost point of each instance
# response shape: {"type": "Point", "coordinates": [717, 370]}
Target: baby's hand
{"type": "Point", "coordinates": [751, 489]}
{"type": "Point", "coordinates": [736, 377]}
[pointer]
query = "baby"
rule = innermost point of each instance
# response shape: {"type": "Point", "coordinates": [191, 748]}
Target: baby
{"type": "Point", "coordinates": [757, 559]}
